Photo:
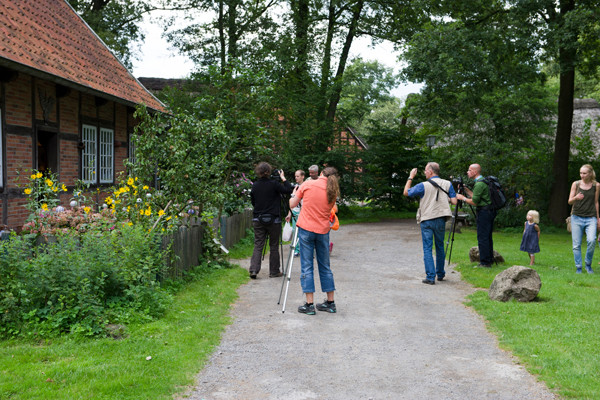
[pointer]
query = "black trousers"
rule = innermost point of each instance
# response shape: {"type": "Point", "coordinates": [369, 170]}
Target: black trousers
{"type": "Point", "coordinates": [485, 225]}
{"type": "Point", "coordinates": [273, 231]}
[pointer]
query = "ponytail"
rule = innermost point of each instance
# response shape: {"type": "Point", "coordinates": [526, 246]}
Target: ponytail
{"type": "Point", "coordinates": [333, 185]}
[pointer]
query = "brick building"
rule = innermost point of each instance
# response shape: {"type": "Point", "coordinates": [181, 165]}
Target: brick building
{"type": "Point", "coordinates": [66, 102]}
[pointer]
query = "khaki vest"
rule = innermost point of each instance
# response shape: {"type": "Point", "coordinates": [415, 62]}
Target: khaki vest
{"type": "Point", "coordinates": [429, 208]}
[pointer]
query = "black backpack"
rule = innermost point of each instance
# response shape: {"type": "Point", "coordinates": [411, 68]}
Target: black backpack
{"type": "Point", "coordinates": [496, 193]}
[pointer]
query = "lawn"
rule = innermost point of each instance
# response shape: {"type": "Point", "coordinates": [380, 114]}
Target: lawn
{"type": "Point", "coordinates": [154, 361]}
{"type": "Point", "coordinates": [555, 336]}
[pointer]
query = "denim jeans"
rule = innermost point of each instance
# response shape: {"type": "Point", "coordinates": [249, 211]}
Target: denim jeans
{"type": "Point", "coordinates": [485, 225]}
{"type": "Point", "coordinates": [578, 226]}
{"type": "Point", "coordinates": [433, 229]}
{"type": "Point", "coordinates": [310, 243]}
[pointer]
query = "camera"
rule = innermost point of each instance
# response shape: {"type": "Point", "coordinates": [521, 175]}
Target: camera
{"type": "Point", "coordinates": [275, 174]}
{"type": "Point", "coordinates": [458, 183]}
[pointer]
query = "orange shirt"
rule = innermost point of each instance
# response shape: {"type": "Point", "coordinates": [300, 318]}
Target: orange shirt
{"type": "Point", "coordinates": [315, 211]}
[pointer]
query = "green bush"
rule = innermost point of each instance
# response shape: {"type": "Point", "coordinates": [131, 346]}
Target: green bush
{"type": "Point", "coordinates": [80, 284]}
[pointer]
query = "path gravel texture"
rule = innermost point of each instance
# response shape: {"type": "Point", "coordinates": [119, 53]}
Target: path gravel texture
{"type": "Point", "coordinates": [393, 337]}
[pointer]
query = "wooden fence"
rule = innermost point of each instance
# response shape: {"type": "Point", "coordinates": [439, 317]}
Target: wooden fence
{"type": "Point", "coordinates": [187, 241]}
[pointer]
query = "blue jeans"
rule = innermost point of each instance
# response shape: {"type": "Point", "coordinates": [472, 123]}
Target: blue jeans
{"type": "Point", "coordinates": [578, 226]}
{"type": "Point", "coordinates": [309, 243]}
{"type": "Point", "coordinates": [430, 230]}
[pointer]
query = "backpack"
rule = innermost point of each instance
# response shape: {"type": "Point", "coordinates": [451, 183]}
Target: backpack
{"type": "Point", "coordinates": [496, 193]}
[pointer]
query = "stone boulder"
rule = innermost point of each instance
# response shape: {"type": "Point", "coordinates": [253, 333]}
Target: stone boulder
{"type": "Point", "coordinates": [517, 282]}
{"type": "Point", "coordinates": [474, 255]}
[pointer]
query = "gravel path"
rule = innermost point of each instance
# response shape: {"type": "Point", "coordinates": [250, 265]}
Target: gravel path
{"type": "Point", "coordinates": [392, 338]}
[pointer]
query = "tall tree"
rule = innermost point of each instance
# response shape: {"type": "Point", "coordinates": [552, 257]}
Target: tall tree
{"type": "Point", "coordinates": [116, 22]}
{"type": "Point", "coordinates": [508, 39]}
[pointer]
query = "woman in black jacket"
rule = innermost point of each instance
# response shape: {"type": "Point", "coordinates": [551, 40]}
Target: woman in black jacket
{"type": "Point", "coordinates": [266, 198]}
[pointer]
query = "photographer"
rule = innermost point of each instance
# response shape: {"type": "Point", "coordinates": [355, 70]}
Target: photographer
{"type": "Point", "coordinates": [434, 195]}
{"type": "Point", "coordinates": [266, 196]}
{"type": "Point", "coordinates": [480, 198]}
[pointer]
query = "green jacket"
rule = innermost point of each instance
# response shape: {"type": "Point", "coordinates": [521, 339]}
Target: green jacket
{"type": "Point", "coordinates": [481, 193]}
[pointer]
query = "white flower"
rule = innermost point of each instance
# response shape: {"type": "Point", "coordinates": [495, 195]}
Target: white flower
{"type": "Point", "coordinates": [148, 195]}
{"type": "Point", "coordinates": [60, 209]}
{"type": "Point", "coordinates": [139, 200]}
{"type": "Point", "coordinates": [73, 203]}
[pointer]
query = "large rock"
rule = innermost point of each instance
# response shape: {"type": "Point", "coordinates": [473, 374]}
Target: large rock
{"type": "Point", "coordinates": [474, 255]}
{"type": "Point", "coordinates": [517, 282]}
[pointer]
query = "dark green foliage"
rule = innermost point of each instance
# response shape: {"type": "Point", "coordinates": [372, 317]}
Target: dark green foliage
{"type": "Point", "coordinates": [79, 284]}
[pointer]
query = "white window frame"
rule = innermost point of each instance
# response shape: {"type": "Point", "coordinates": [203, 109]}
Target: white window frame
{"type": "Point", "coordinates": [98, 148]}
{"type": "Point", "coordinates": [107, 153]}
{"type": "Point", "coordinates": [131, 149]}
{"type": "Point", "coordinates": [89, 162]}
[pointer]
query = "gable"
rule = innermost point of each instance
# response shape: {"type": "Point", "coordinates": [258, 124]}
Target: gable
{"type": "Point", "coordinates": [49, 39]}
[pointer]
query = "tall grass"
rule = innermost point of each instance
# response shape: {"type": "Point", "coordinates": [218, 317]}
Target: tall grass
{"type": "Point", "coordinates": [555, 336]}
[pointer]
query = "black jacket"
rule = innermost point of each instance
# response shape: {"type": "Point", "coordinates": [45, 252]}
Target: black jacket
{"type": "Point", "coordinates": [266, 196]}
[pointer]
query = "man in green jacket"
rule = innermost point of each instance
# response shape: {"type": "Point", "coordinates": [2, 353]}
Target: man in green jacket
{"type": "Point", "coordinates": [480, 199]}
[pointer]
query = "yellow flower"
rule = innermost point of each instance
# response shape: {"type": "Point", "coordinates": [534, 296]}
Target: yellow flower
{"type": "Point", "coordinates": [33, 176]}
{"type": "Point", "coordinates": [45, 207]}
{"type": "Point", "coordinates": [128, 208]}
{"type": "Point", "coordinates": [27, 191]}
{"type": "Point", "coordinates": [161, 212]}
{"type": "Point", "coordinates": [130, 223]}
{"type": "Point", "coordinates": [55, 189]}
{"type": "Point", "coordinates": [145, 187]}
{"type": "Point", "coordinates": [130, 181]}
{"type": "Point", "coordinates": [49, 182]}
{"type": "Point", "coordinates": [141, 212]}
{"type": "Point", "coordinates": [148, 211]}
{"type": "Point", "coordinates": [87, 209]}
{"type": "Point", "coordinates": [38, 175]}
{"type": "Point", "coordinates": [64, 188]}
{"type": "Point", "coordinates": [109, 200]}
{"type": "Point", "coordinates": [168, 218]}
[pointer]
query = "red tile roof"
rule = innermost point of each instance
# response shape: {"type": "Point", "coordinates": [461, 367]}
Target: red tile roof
{"type": "Point", "coordinates": [49, 36]}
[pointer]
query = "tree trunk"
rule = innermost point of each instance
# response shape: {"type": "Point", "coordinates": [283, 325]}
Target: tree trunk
{"type": "Point", "coordinates": [222, 46]}
{"type": "Point", "coordinates": [558, 208]}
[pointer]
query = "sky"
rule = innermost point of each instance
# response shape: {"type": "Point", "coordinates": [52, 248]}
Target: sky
{"type": "Point", "coordinates": [160, 60]}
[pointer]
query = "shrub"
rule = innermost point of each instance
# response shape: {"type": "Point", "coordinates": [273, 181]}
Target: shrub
{"type": "Point", "coordinates": [79, 284]}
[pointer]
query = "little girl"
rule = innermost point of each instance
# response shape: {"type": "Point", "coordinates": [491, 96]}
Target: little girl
{"type": "Point", "coordinates": [531, 235]}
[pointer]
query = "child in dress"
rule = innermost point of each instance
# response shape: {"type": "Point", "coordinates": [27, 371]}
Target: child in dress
{"type": "Point", "coordinates": [531, 235]}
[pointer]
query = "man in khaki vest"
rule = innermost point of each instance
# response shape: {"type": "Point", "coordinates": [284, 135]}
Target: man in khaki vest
{"type": "Point", "coordinates": [434, 195]}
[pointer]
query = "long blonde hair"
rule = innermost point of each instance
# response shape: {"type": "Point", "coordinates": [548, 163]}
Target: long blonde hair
{"type": "Point", "coordinates": [333, 185]}
{"type": "Point", "coordinates": [592, 172]}
{"type": "Point", "coordinates": [535, 215]}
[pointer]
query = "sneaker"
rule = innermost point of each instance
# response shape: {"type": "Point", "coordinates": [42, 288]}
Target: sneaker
{"type": "Point", "coordinates": [277, 275]}
{"type": "Point", "coordinates": [578, 271]}
{"type": "Point", "coordinates": [308, 309]}
{"type": "Point", "coordinates": [327, 306]}
{"type": "Point", "coordinates": [252, 275]}
{"type": "Point", "coordinates": [428, 282]}
{"type": "Point", "coordinates": [440, 278]}
{"type": "Point", "coordinates": [589, 270]}
{"type": "Point", "coordinates": [330, 248]}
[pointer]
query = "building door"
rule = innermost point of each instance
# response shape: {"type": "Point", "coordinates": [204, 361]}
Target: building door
{"type": "Point", "coordinates": [47, 151]}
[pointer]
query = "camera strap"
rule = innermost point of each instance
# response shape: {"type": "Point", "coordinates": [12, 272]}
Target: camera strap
{"type": "Point", "coordinates": [439, 187]}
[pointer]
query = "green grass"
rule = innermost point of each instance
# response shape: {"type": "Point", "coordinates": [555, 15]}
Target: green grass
{"type": "Point", "coordinates": [362, 214]}
{"type": "Point", "coordinates": [179, 344]}
{"type": "Point", "coordinates": [555, 336]}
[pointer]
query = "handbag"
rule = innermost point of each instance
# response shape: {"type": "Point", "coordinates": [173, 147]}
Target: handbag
{"type": "Point", "coordinates": [286, 236]}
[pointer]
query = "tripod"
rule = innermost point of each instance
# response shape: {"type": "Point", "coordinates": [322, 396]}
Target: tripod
{"type": "Point", "coordinates": [287, 273]}
{"type": "Point", "coordinates": [458, 206]}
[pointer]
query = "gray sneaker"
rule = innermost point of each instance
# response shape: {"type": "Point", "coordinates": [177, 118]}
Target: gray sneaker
{"type": "Point", "coordinates": [308, 309]}
{"type": "Point", "coordinates": [327, 306]}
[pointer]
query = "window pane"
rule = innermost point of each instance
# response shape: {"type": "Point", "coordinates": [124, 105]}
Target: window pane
{"type": "Point", "coordinates": [88, 155]}
{"type": "Point", "coordinates": [106, 155]}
